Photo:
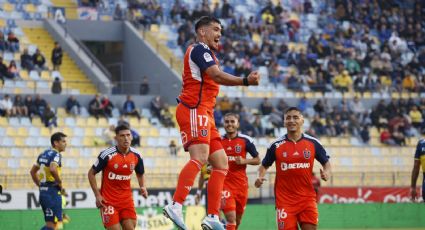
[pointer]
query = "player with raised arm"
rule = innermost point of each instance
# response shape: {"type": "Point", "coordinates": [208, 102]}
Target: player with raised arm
{"type": "Point", "coordinates": [235, 189]}
{"type": "Point", "coordinates": [48, 167]}
{"type": "Point", "coordinates": [115, 198]}
{"type": "Point", "coordinates": [201, 79]}
{"type": "Point", "coordinates": [294, 155]}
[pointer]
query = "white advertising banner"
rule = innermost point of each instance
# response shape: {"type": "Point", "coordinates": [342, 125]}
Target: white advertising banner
{"type": "Point", "coordinates": [84, 198]}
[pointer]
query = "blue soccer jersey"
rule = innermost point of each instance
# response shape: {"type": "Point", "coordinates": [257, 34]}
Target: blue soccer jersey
{"type": "Point", "coordinates": [49, 156]}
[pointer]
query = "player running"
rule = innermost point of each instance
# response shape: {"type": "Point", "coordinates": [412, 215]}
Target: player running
{"type": "Point", "coordinates": [235, 190]}
{"type": "Point", "coordinates": [115, 198]}
{"type": "Point", "coordinates": [294, 155]}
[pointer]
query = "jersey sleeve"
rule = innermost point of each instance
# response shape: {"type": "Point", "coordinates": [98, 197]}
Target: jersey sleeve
{"type": "Point", "coordinates": [100, 163]}
{"type": "Point", "coordinates": [202, 57]}
{"type": "Point", "coordinates": [250, 147]}
{"type": "Point", "coordinates": [270, 156]}
{"type": "Point", "coordinates": [419, 147]}
{"type": "Point", "coordinates": [140, 168]}
{"type": "Point", "coordinates": [321, 154]}
{"type": "Point", "coordinates": [57, 159]}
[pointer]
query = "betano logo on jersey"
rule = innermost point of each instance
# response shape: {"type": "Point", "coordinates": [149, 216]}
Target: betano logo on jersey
{"type": "Point", "coordinates": [113, 176]}
{"type": "Point", "coordinates": [231, 158]}
{"type": "Point", "coordinates": [284, 166]}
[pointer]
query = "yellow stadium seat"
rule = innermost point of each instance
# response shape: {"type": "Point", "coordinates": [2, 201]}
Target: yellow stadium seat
{"type": "Point", "coordinates": [102, 122]}
{"type": "Point", "coordinates": [45, 75]}
{"type": "Point", "coordinates": [153, 132]}
{"type": "Point", "coordinates": [89, 132]}
{"type": "Point", "coordinates": [154, 28]}
{"type": "Point", "coordinates": [11, 132]}
{"type": "Point", "coordinates": [81, 122]}
{"type": "Point", "coordinates": [8, 7]}
{"type": "Point", "coordinates": [30, 8]}
{"type": "Point", "coordinates": [91, 121]}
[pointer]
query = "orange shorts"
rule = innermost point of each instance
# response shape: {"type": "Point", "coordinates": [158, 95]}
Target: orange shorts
{"type": "Point", "coordinates": [288, 217]}
{"type": "Point", "coordinates": [234, 200]}
{"type": "Point", "coordinates": [112, 215]}
{"type": "Point", "coordinates": [197, 126]}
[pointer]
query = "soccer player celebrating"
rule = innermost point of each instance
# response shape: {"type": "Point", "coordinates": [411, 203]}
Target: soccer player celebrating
{"type": "Point", "coordinates": [194, 114]}
{"type": "Point", "coordinates": [419, 160]}
{"type": "Point", "coordinates": [115, 199]}
{"type": "Point", "coordinates": [48, 167]}
{"type": "Point", "coordinates": [294, 154]}
{"type": "Point", "coordinates": [235, 190]}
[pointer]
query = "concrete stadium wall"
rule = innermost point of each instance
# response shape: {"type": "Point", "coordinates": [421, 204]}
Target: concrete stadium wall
{"type": "Point", "coordinates": [139, 59]}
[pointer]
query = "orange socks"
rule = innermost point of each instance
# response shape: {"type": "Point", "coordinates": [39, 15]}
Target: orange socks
{"type": "Point", "coordinates": [215, 187]}
{"type": "Point", "coordinates": [186, 178]}
{"type": "Point", "coordinates": [230, 226]}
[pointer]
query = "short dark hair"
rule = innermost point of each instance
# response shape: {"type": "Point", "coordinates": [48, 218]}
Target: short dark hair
{"type": "Point", "coordinates": [293, 108]}
{"type": "Point", "coordinates": [119, 128]}
{"type": "Point", "coordinates": [56, 137]}
{"type": "Point", "coordinates": [205, 20]}
{"type": "Point", "coordinates": [232, 114]}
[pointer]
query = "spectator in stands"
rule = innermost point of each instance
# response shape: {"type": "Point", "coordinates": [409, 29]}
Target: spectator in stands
{"type": "Point", "coordinates": [237, 106]}
{"type": "Point", "coordinates": [56, 86]}
{"type": "Point", "coordinates": [108, 135]}
{"type": "Point", "coordinates": [416, 117]}
{"type": "Point", "coordinates": [173, 149]}
{"type": "Point", "coordinates": [32, 108]}
{"type": "Point", "coordinates": [225, 104]}
{"type": "Point", "coordinates": [40, 105]}
{"type": "Point", "coordinates": [129, 108]}
{"type": "Point", "coordinates": [19, 108]}
{"type": "Point", "coordinates": [4, 73]}
{"type": "Point", "coordinates": [49, 117]}
{"type": "Point", "coordinates": [135, 142]}
{"type": "Point", "coordinates": [357, 106]}
{"type": "Point", "coordinates": [107, 105]}
{"type": "Point", "coordinates": [266, 106]}
{"type": "Point", "coordinates": [73, 107]}
{"type": "Point", "coordinates": [39, 60]}
{"type": "Point", "coordinates": [318, 126]}
{"type": "Point", "coordinates": [13, 70]}
{"type": "Point", "coordinates": [226, 10]}
{"type": "Point", "coordinates": [364, 134]}
{"type": "Point", "coordinates": [156, 106]}
{"type": "Point", "coordinates": [95, 107]}
{"type": "Point", "coordinates": [218, 116]}
{"type": "Point", "coordinates": [166, 116]}
{"type": "Point", "coordinates": [343, 82]}
{"type": "Point", "coordinates": [3, 43]}
{"type": "Point", "coordinates": [118, 13]}
{"type": "Point", "coordinates": [13, 42]}
{"type": "Point", "coordinates": [26, 61]}
{"type": "Point", "coordinates": [6, 106]}
{"type": "Point", "coordinates": [57, 55]}
{"type": "Point", "coordinates": [144, 86]}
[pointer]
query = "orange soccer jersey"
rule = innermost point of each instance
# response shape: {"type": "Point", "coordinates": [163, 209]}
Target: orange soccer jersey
{"type": "Point", "coordinates": [235, 189]}
{"type": "Point", "coordinates": [294, 166]}
{"type": "Point", "coordinates": [116, 175]}
{"type": "Point", "coordinates": [199, 89]}
{"type": "Point", "coordinates": [294, 191]}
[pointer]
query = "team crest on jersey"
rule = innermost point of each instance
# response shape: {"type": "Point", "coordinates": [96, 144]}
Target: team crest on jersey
{"type": "Point", "coordinates": [307, 154]}
{"type": "Point", "coordinates": [183, 136]}
{"type": "Point", "coordinates": [132, 166]}
{"type": "Point", "coordinates": [207, 57]}
{"type": "Point", "coordinates": [238, 149]}
{"type": "Point", "coordinates": [204, 132]}
{"type": "Point", "coordinates": [115, 166]}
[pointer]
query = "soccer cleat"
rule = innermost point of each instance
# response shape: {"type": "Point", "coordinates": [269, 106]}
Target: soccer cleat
{"type": "Point", "coordinates": [174, 215]}
{"type": "Point", "coordinates": [210, 223]}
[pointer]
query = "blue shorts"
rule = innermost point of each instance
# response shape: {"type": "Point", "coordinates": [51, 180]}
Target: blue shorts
{"type": "Point", "coordinates": [51, 203]}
